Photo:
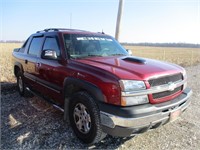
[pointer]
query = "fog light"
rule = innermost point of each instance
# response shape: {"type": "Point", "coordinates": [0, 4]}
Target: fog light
{"type": "Point", "coordinates": [134, 100]}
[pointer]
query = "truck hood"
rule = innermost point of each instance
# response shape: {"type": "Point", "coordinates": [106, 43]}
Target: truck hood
{"type": "Point", "coordinates": [133, 68]}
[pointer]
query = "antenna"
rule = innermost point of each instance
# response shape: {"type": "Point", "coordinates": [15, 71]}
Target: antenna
{"type": "Point", "coordinates": [102, 32]}
{"type": "Point", "coordinates": [70, 20]}
{"type": "Point", "coordinates": [118, 23]}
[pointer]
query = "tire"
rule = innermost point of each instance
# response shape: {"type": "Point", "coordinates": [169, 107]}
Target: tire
{"type": "Point", "coordinates": [20, 84]}
{"type": "Point", "coordinates": [84, 116]}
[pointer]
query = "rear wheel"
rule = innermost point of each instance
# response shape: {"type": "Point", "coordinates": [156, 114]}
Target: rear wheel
{"type": "Point", "coordinates": [85, 118]}
{"type": "Point", "coordinates": [20, 83]}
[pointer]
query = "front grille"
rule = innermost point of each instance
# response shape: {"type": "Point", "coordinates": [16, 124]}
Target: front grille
{"type": "Point", "coordinates": [166, 93]}
{"type": "Point", "coordinates": [157, 97]}
{"type": "Point", "coordinates": [165, 80]}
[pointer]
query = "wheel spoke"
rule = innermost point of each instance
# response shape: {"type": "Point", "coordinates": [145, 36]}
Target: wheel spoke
{"type": "Point", "coordinates": [87, 117]}
{"type": "Point", "coordinates": [82, 108]}
{"type": "Point", "coordinates": [79, 124]}
{"type": "Point", "coordinates": [77, 112]}
{"type": "Point", "coordinates": [86, 126]}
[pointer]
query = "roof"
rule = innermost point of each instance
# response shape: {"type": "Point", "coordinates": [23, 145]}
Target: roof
{"type": "Point", "coordinates": [65, 30]}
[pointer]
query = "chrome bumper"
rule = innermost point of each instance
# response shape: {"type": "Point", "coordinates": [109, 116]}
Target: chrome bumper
{"type": "Point", "coordinates": [163, 112]}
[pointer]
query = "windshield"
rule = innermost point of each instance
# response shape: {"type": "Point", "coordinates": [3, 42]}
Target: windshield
{"type": "Point", "coordinates": [88, 45]}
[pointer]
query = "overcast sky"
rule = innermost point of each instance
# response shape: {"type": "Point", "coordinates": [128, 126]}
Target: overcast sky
{"type": "Point", "coordinates": [142, 20]}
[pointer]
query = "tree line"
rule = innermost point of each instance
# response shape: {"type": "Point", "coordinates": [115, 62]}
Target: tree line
{"type": "Point", "coordinates": [11, 41]}
{"type": "Point", "coordinates": [184, 45]}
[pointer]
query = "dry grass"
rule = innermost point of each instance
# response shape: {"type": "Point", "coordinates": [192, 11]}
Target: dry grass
{"type": "Point", "coordinates": [181, 56]}
{"type": "Point", "coordinates": [6, 67]}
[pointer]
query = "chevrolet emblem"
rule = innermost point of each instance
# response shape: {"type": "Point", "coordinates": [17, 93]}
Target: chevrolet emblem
{"type": "Point", "coordinates": [172, 86]}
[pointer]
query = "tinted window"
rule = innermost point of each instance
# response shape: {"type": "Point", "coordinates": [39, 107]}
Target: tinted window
{"type": "Point", "coordinates": [80, 46]}
{"type": "Point", "coordinates": [51, 43]}
{"type": "Point", "coordinates": [22, 49]}
{"type": "Point", "coordinates": [35, 46]}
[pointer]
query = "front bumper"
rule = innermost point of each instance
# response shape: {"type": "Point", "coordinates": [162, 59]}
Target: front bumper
{"type": "Point", "coordinates": [143, 117]}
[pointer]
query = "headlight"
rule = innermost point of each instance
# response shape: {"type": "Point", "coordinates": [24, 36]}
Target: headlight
{"type": "Point", "coordinates": [184, 78]}
{"type": "Point", "coordinates": [184, 74]}
{"type": "Point", "coordinates": [131, 85]}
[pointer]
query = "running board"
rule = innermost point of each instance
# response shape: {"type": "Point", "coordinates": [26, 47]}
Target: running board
{"type": "Point", "coordinates": [49, 101]}
{"type": "Point", "coordinates": [58, 107]}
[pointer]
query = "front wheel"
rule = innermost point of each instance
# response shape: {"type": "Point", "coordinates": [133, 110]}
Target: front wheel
{"type": "Point", "coordinates": [84, 117]}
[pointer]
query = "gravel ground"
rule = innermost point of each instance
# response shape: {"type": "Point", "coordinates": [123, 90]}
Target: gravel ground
{"type": "Point", "coordinates": [31, 123]}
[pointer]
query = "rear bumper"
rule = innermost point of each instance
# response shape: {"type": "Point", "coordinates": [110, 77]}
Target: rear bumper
{"type": "Point", "coordinates": [144, 117]}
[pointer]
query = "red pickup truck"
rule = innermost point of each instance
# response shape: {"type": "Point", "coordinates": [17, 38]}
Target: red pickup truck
{"type": "Point", "coordinates": [98, 85]}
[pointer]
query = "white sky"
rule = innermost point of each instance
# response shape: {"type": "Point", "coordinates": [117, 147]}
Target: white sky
{"type": "Point", "coordinates": [142, 20]}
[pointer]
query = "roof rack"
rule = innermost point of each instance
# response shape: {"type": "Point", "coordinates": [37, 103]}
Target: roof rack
{"type": "Point", "coordinates": [58, 29]}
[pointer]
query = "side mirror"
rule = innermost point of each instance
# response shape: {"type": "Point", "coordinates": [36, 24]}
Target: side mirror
{"type": "Point", "coordinates": [49, 54]}
{"type": "Point", "coordinates": [16, 50]}
{"type": "Point", "coordinates": [129, 52]}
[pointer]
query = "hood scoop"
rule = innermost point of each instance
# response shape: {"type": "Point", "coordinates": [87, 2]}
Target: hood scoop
{"type": "Point", "coordinates": [135, 60]}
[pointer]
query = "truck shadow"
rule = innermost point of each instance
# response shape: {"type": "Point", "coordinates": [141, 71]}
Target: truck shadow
{"type": "Point", "coordinates": [32, 123]}
{"type": "Point", "coordinates": [110, 143]}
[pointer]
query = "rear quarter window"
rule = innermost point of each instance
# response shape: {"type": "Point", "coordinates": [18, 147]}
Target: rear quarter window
{"type": "Point", "coordinates": [24, 46]}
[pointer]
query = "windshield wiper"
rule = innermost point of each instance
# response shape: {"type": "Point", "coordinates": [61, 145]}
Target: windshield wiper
{"type": "Point", "coordinates": [80, 57]}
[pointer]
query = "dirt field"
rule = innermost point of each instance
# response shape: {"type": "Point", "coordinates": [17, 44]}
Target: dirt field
{"type": "Point", "coordinates": [31, 123]}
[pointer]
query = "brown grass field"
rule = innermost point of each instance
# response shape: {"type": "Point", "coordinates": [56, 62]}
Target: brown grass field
{"type": "Point", "coordinates": [181, 56]}
{"type": "Point", "coordinates": [6, 67]}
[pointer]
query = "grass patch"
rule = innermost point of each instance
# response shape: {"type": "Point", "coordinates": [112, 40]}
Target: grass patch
{"type": "Point", "coordinates": [6, 68]}
{"type": "Point", "coordinates": [181, 56]}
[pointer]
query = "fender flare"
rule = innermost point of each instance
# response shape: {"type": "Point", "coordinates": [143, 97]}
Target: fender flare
{"type": "Point", "coordinates": [72, 85]}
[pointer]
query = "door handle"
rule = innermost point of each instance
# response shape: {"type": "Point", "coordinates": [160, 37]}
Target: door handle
{"type": "Point", "coordinates": [38, 64]}
{"type": "Point", "coordinates": [26, 61]}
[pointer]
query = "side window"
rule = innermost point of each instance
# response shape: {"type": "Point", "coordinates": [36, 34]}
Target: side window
{"type": "Point", "coordinates": [35, 46]}
{"type": "Point", "coordinates": [22, 49]}
{"type": "Point", "coordinates": [51, 43]}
